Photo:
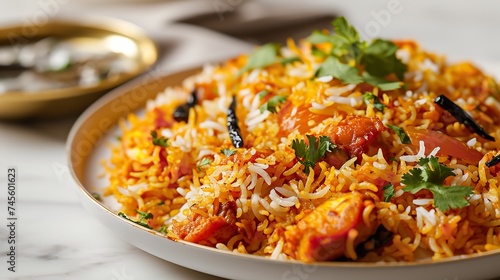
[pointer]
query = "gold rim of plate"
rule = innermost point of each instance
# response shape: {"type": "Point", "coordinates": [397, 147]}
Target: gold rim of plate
{"type": "Point", "coordinates": [97, 121]}
{"type": "Point", "coordinates": [70, 100]}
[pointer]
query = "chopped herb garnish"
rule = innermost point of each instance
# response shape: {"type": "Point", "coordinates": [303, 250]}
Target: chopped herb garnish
{"type": "Point", "coordinates": [263, 93]}
{"type": "Point", "coordinates": [119, 138]}
{"type": "Point", "coordinates": [370, 98]}
{"type": "Point", "coordinates": [158, 141]}
{"type": "Point", "coordinates": [494, 161]}
{"type": "Point", "coordinates": [317, 52]}
{"type": "Point", "coordinates": [161, 203]}
{"type": "Point", "coordinates": [121, 214]}
{"type": "Point", "coordinates": [228, 152]}
{"type": "Point", "coordinates": [261, 57]}
{"type": "Point", "coordinates": [400, 133]}
{"type": "Point", "coordinates": [462, 116]}
{"type": "Point", "coordinates": [380, 60]}
{"type": "Point", "coordinates": [163, 229]}
{"type": "Point", "coordinates": [388, 192]}
{"type": "Point", "coordinates": [308, 155]}
{"type": "Point", "coordinates": [271, 104]}
{"type": "Point", "coordinates": [96, 196]}
{"type": "Point", "coordinates": [344, 72]}
{"type": "Point", "coordinates": [349, 56]}
{"type": "Point", "coordinates": [288, 60]}
{"type": "Point", "coordinates": [203, 162]}
{"type": "Point", "coordinates": [430, 176]}
{"type": "Point", "coordinates": [318, 37]}
{"type": "Point", "coordinates": [143, 216]}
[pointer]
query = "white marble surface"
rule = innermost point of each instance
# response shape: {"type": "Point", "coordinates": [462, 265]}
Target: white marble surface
{"type": "Point", "coordinates": [57, 239]}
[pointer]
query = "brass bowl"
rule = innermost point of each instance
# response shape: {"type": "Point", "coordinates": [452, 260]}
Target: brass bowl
{"type": "Point", "coordinates": [119, 36]}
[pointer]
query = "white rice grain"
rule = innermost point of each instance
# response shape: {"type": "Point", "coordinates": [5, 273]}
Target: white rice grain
{"type": "Point", "coordinates": [285, 202]}
{"type": "Point", "coordinates": [208, 124]}
{"type": "Point", "coordinates": [337, 91]}
{"type": "Point", "coordinates": [325, 79]}
{"type": "Point", "coordinates": [277, 250]}
{"type": "Point", "coordinates": [472, 142]}
{"type": "Point", "coordinates": [259, 170]}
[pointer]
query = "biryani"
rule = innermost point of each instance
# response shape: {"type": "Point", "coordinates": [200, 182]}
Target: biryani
{"type": "Point", "coordinates": [328, 148]}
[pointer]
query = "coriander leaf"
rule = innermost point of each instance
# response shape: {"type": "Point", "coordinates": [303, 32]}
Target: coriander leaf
{"type": "Point", "coordinates": [379, 59]}
{"type": "Point", "coordinates": [143, 216]}
{"type": "Point", "coordinates": [400, 133]}
{"type": "Point", "coordinates": [368, 97]}
{"type": "Point", "coordinates": [263, 93]}
{"type": "Point", "coordinates": [381, 82]}
{"type": "Point", "coordinates": [203, 162]}
{"type": "Point", "coordinates": [347, 74]}
{"type": "Point", "coordinates": [288, 60]}
{"type": "Point", "coordinates": [261, 57]}
{"type": "Point", "coordinates": [318, 37]}
{"type": "Point", "coordinates": [310, 155]}
{"type": "Point", "coordinates": [96, 196]}
{"type": "Point", "coordinates": [121, 214]}
{"type": "Point", "coordinates": [228, 152]}
{"type": "Point", "coordinates": [271, 104]}
{"type": "Point", "coordinates": [163, 229]}
{"type": "Point", "coordinates": [434, 172]}
{"type": "Point", "coordinates": [450, 197]}
{"type": "Point", "coordinates": [388, 192]}
{"type": "Point", "coordinates": [161, 141]}
{"type": "Point", "coordinates": [431, 175]}
{"type": "Point", "coordinates": [317, 52]}
{"type": "Point", "coordinates": [350, 56]}
{"type": "Point", "coordinates": [413, 181]}
{"type": "Point", "coordinates": [345, 30]}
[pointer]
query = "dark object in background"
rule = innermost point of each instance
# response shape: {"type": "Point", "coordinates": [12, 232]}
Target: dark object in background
{"type": "Point", "coordinates": [261, 23]}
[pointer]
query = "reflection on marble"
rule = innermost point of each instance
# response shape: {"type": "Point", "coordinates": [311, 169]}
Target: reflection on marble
{"type": "Point", "coordinates": [60, 241]}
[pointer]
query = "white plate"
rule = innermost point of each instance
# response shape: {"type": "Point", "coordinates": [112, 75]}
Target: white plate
{"type": "Point", "coordinates": [87, 146]}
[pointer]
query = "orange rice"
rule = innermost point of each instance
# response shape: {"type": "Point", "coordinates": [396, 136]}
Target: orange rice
{"type": "Point", "coordinates": [267, 183]}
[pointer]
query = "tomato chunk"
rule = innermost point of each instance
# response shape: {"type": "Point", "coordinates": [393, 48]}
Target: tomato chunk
{"type": "Point", "coordinates": [356, 134]}
{"type": "Point", "coordinates": [449, 146]}
{"type": "Point", "coordinates": [323, 234]}
{"type": "Point", "coordinates": [291, 118]}
{"type": "Point", "coordinates": [204, 230]}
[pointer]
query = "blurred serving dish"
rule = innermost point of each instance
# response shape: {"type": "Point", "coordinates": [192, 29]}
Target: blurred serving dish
{"type": "Point", "coordinates": [59, 68]}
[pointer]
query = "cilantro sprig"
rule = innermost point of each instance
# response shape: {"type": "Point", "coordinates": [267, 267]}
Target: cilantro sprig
{"type": "Point", "coordinates": [163, 229]}
{"type": "Point", "coordinates": [203, 162]}
{"type": "Point", "coordinates": [371, 98]}
{"type": "Point", "coordinates": [143, 217]}
{"type": "Point", "coordinates": [228, 152]}
{"type": "Point", "coordinates": [260, 58]}
{"type": "Point", "coordinates": [405, 139]}
{"type": "Point", "coordinates": [272, 103]}
{"type": "Point", "coordinates": [158, 141]}
{"type": "Point", "coordinates": [309, 155]}
{"type": "Point", "coordinates": [388, 192]}
{"type": "Point", "coordinates": [354, 61]}
{"type": "Point", "coordinates": [430, 176]}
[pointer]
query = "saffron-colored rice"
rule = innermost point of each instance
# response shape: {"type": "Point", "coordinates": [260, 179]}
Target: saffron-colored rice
{"type": "Point", "coordinates": [268, 184]}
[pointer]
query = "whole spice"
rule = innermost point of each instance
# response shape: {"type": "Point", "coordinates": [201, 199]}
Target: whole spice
{"type": "Point", "coordinates": [232, 125]}
{"type": "Point", "coordinates": [462, 116]}
{"type": "Point", "coordinates": [181, 113]}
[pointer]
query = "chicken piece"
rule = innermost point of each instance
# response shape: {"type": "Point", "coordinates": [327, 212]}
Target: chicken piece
{"type": "Point", "coordinates": [209, 230]}
{"type": "Point", "coordinates": [355, 135]}
{"type": "Point", "coordinates": [332, 230]}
